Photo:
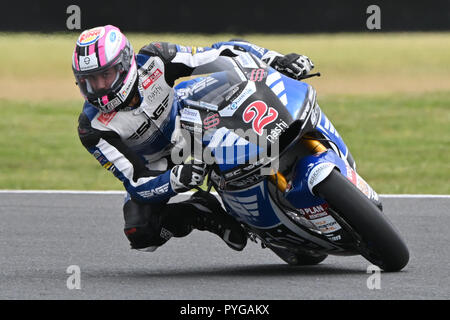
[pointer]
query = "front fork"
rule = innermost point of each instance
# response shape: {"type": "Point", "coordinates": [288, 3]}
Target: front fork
{"type": "Point", "coordinates": [314, 146]}
{"type": "Point", "coordinates": [278, 179]}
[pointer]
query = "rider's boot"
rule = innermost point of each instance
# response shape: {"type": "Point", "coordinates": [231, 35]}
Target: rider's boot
{"type": "Point", "coordinates": [211, 216]}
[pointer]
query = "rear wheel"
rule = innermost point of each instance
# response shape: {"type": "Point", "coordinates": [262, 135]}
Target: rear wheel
{"type": "Point", "coordinates": [377, 239]}
{"type": "Point", "coordinates": [297, 259]}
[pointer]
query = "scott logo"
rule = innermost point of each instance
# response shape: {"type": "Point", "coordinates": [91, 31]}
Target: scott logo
{"type": "Point", "coordinates": [211, 121]}
{"type": "Point", "coordinates": [260, 114]}
{"type": "Point", "coordinates": [257, 75]}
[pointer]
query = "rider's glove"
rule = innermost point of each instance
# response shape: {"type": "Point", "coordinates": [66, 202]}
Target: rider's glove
{"type": "Point", "coordinates": [184, 177]}
{"type": "Point", "coordinates": [293, 65]}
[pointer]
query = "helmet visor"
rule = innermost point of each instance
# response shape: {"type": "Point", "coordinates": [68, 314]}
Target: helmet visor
{"type": "Point", "coordinates": [101, 82]}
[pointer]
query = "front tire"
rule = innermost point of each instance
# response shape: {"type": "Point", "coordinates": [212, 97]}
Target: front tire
{"type": "Point", "coordinates": [380, 242]}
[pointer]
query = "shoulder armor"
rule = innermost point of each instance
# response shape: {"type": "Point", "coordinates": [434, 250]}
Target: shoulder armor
{"type": "Point", "coordinates": [165, 50]}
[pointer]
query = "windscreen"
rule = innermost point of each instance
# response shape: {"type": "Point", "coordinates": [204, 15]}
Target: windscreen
{"type": "Point", "coordinates": [214, 83]}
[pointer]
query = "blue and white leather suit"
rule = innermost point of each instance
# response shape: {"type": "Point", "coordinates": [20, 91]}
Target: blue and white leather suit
{"type": "Point", "coordinates": [135, 143]}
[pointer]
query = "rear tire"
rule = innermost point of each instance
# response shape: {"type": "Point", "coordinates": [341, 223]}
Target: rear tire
{"type": "Point", "coordinates": [297, 259]}
{"type": "Point", "coordinates": [381, 243]}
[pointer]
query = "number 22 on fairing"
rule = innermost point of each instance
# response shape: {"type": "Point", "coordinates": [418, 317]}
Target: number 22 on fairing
{"type": "Point", "coordinates": [257, 111]}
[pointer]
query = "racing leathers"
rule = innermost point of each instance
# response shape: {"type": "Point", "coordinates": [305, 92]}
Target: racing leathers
{"type": "Point", "coordinates": [135, 143]}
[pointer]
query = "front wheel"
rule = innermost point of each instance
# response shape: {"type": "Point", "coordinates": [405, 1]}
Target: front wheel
{"type": "Point", "coordinates": [377, 239]}
{"type": "Point", "coordinates": [297, 259]}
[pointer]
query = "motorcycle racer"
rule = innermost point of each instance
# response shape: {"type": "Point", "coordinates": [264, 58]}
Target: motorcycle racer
{"type": "Point", "coordinates": [127, 124]}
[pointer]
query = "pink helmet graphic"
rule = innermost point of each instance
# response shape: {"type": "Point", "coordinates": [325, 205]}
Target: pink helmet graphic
{"type": "Point", "coordinates": [105, 68]}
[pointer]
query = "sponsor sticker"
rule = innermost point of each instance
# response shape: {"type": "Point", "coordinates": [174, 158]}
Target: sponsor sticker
{"type": "Point", "coordinates": [361, 184]}
{"type": "Point", "coordinates": [190, 115]}
{"type": "Point", "coordinates": [154, 192]}
{"type": "Point", "coordinates": [166, 234]}
{"type": "Point", "coordinates": [245, 94]}
{"type": "Point", "coordinates": [97, 154]}
{"type": "Point", "coordinates": [211, 121]}
{"type": "Point", "coordinates": [232, 92]}
{"type": "Point", "coordinates": [88, 62]}
{"type": "Point", "coordinates": [109, 166]}
{"type": "Point", "coordinates": [363, 187]}
{"type": "Point", "coordinates": [326, 224]}
{"type": "Point", "coordinates": [351, 174]}
{"type": "Point", "coordinates": [90, 36]}
{"type": "Point", "coordinates": [147, 68]}
{"type": "Point", "coordinates": [202, 84]}
{"type": "Point", "coordinates": [247, 181]}
{"type": "Point", "coordinates": [280, 127]}
{"type": "Point", "coordinates": [106, 118]}
{"type": "Point", "coordinates": [198, 86]}
{"type": "Point", "coordinates": [113, 41]}
{"type": "Point", "coordinates": [184, 49]}
{"type": "Point", "coordinates": [126, 91]}
{"type": "Point", "coordinates": [140, 131]}
{"type": "Point", "coordinates": [154, 93]}
{"type": "Point", "coordinates": [112, 36]}
{"type": "Point", "coordinates": [257, 49]}
{"type": "Point", "coordinates": [246, 61]}
{"type": "Point", "coordinates": [191, 128]}
{"type": "Point", "coordinates": [114, 103]}
{"type": "Point", "coordinates": [151, 78]}
{"type": "Point", "coordinates": [257, 75]}
{"type": "Point", "coordinates": [315, 114]}
{"type": "Point", "coordinates": [315, 212]}
{"type": "Point", "coordinates": [319, 216]}
{"type": "Point", "coordinates": [260, 114]}
{"type": "Point", "coordinates": [319, 173]}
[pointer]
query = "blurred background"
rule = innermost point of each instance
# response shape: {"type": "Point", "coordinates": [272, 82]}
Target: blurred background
{"type": "Point", "coordinates": [385, 80]}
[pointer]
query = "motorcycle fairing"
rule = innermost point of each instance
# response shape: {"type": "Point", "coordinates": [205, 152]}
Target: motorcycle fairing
{"type": "Point", "coordinates": [256, 208]}
{"type": "Point", "coordinates": [309, 171]}
{"type": "Point", "coordinates": [251, 206]}
{"type": "Point", "coordinates": [229, 149]}
{"type": "Point", "coordinates": [313, 169]}
{"type": "Point", "coordinates": [292, 93]}
{"type": "Point", "coordinates": [325, 126]}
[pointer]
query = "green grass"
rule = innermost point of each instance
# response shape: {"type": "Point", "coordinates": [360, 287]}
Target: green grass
{"type": "Point", "coordinates": [40, 149]}
{"type": "Point", "coordinates": [401, 143]}
{"type": "Point", "coordinates": [38, 55]}
{"type": "Point", "coordinates": [387, 94]}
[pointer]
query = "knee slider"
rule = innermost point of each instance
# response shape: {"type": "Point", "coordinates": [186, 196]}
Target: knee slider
{"type": "Point", "coordinates": [142, 237]}
{"type": "Point", "coordinates": [139, 228]}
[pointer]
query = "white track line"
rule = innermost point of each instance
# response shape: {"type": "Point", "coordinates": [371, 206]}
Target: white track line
{"type": "Point", "coordinates": [105, 192]}
{"type": "Point", "coordinates": [418, 196]}
{"type": "Point", "coordinates": [62, 191]}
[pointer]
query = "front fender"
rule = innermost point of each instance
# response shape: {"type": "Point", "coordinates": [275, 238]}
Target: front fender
{"type": "Point", "coordinates": [310, 171]}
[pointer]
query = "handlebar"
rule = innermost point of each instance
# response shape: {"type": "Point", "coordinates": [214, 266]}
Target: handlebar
{"type": "Point", "coordinates": [310, 76]}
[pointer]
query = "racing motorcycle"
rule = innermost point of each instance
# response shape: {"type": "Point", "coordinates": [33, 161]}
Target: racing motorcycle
{"type": "Point", "coordinates": [295, 188]}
